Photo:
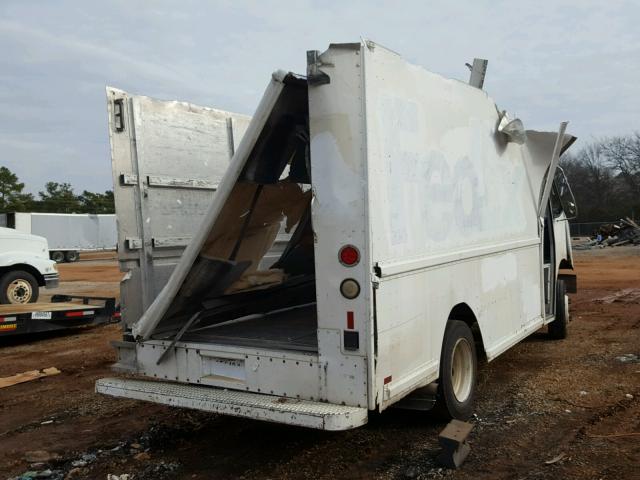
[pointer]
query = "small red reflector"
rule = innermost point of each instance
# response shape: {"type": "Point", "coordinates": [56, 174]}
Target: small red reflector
{"type": "Point", "coordinates": [77, 313]}
{"type": "Point", "coordinates": [350, 321]}
{"type": "Point", "coordinates": [349, 255]}
{"type": "Point", "coordinates": [387, 379]}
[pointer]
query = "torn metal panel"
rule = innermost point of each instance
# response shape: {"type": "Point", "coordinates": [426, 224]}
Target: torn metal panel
{"type": "Point", "coordinates": [241, 236]}
{"type": "Point", "coordinates": [280, 201]}
{"type": "Point", "coordinates": [513, 129]}
{"type": "Point", "coordinates": [261, 132]}
{"type": "Point", "coordinates": [539, 149]}
{"type": "Point", "coordinates": [551, 171]}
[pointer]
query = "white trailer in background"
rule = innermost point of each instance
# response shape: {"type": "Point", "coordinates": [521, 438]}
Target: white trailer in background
{"type": "Point", "coordinates": [426, 230]}
{"type": "Point", "coordinates": [68, 234]}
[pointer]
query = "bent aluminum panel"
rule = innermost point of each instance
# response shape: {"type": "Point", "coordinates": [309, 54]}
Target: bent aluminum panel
{"type": "Point", "coordinates": [154, 313]}
{"type": "Point", "coordinates": [304, 413]}
{"type": "Point", "coordinates": [167, 159]}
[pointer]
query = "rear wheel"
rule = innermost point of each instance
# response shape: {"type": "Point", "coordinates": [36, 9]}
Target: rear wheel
{"type": "Point", "coordinates": [18, 287]}
{"type": "Point", "coordinates": [72, 256]}
{"type": "Point", "coordinates": [558, 329]}
{"type": "Point", "coordinates": [458, 372]}
{"type": "Point", "coordinates": [57, 256]}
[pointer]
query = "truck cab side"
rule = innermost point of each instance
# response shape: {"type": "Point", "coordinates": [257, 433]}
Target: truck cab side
{"type": "Point", "coordinates": [24, 267]}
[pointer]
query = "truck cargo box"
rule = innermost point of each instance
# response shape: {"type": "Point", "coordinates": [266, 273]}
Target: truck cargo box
{"type": "Point", "coordinates": [419, 232]}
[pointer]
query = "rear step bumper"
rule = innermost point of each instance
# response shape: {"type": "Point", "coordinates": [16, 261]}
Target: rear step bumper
{"type": "Point", "coordinates": [304, 413]}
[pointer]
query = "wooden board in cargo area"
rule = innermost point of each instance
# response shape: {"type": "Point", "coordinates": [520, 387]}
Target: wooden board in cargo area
{"type": "Point", "coordinates": [17, 309]}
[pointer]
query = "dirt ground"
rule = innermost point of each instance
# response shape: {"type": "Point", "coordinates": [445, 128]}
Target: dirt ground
{"type": "Point", "coordinates": [546, 410]}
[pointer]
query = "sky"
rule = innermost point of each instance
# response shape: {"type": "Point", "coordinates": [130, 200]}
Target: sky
{"type": "Point", "coordinates": [575, 60]}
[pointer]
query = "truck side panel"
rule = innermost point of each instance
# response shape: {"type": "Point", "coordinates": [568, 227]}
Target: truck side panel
{"type": "Point", "coordinates": [74, 231]}
{"type": "Point", "coordinates": [453, 219]}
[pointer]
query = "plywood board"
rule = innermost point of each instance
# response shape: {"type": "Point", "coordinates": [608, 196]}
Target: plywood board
{"type": "Point", "coordinates": [28, 376]}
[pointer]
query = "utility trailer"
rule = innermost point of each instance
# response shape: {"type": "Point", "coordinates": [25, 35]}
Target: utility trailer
{"type": "Point", "coordinates": [67, 234]}
{"type": "Point", "coordinates": [427, 229]}
{"type": "Point", "coordinates": [59, 314]}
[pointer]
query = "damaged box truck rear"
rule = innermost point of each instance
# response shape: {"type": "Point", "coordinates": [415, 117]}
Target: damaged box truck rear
{"type": "Point", "coordinates": [425, 229]}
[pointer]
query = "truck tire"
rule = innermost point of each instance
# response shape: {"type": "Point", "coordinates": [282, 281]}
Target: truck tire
{"type": "Point", "coordinates": [18, 287]}
{"type": "Point", "coordinates": [57, 256]}
{"type": "Point", "coordinates": [558, 329]}
{"type": "Point", "coordinates": [458, 372]}
{"type": "Point", "coordinates": [72, 256]}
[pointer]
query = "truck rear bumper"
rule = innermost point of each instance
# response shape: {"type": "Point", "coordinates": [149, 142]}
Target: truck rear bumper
{"type": "Point", "coordinates": [304, 413]}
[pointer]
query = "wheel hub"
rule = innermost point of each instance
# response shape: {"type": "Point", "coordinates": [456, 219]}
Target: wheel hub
{"type": "Point", "coordinates": [462, 370]}
{"type": "Point", "coordinates": [19, 291]}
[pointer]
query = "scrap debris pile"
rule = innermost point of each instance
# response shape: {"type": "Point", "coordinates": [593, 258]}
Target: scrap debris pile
{"type": "Point", "coordinates": [626, 232]}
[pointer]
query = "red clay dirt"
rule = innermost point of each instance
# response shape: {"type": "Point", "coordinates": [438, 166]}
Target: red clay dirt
{"type": "Point", "coordinates": [573, 403]}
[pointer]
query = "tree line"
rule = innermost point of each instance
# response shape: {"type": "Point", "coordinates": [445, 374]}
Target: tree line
{"type": "Point", "coordinates": [605, 178]}
{"type": "Point", "coordinates": [55, 198]}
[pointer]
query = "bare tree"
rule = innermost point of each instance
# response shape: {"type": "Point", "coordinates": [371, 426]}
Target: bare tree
{"type": "Point", "coordinates": [623, 155]}
{"type": "Point", "coordinates": [601, 190]}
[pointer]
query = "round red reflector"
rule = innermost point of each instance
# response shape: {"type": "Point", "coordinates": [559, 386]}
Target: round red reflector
{"type": "Point", "coordinates": [349, 255]}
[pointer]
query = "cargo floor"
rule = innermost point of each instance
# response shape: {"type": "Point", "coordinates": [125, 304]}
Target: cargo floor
{"type": "Point", "coordinates": [294, 329]}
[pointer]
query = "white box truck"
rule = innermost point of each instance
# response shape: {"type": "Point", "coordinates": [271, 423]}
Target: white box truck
{"type": "Point", "coordinates": [427, 229]}
{"type": "Point", "coordinates": [68, 234]}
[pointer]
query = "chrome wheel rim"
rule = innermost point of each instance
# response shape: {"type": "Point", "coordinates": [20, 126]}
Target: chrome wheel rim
{"type": "Point", "coordinates": [19, 291]}
{"type": "Point", "coordinates": [462, 370]}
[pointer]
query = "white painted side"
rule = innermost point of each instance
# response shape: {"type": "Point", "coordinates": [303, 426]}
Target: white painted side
{"type": "Point", "coordinates": [339, 218]}
{"type": "Point", "coordinates": [71, 231]}
{"type": "Point", "coordinates": [452, 218]}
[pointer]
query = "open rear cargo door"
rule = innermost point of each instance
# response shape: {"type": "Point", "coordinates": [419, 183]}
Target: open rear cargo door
{"type": "Point", "coordinates": [167, 160]}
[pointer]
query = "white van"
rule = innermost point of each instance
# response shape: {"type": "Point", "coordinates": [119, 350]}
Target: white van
{"type": "Point", "coordinates": [426, 231]}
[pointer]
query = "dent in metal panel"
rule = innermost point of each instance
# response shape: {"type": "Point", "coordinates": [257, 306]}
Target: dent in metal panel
{"type": "Point", "coordinates": [177, 182]}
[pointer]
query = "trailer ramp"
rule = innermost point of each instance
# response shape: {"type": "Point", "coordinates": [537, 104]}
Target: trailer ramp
{"type": "Point", "coordinates": [304, 413]}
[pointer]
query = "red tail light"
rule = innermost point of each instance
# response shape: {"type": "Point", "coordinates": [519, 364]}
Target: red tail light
{"type": "Point", "coordinates": [349, 255]}
{"type": "Point", "coordinates": [79, 313]}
